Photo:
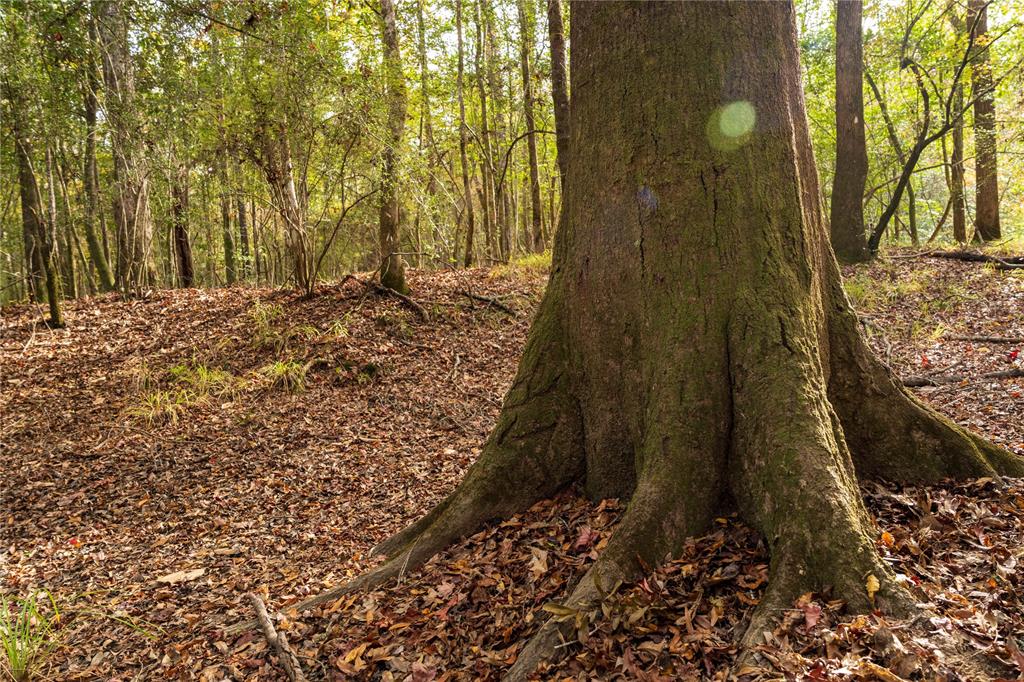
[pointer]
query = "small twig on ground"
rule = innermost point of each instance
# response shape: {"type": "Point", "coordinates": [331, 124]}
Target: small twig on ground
{"type": "Point", "coordinates": [488, 300]}
{"type": "Point", "coordinates": [277, 640]}
{"type": "Point", "coordinates": [987, 339]}
{"type": "Point", "coordinates": [940, 379]}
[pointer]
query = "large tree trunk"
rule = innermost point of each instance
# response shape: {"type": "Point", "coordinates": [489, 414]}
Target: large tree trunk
{"type": "Point", "coordinates": [525, 46]}
{"type": "Point", "coordinates": [560, 87]}
{"type": "Point", "coordinates": [986, 193]}
{"type": "Point", "coordinates": [694, 344]}
{"type": "Point", "coordinates": [392, 268]}
{"type": "Point", "coordinates": [131, 202]}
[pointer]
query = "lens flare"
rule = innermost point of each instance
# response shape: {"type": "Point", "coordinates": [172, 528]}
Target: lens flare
{"type": "Point", "coordinates": [731, 124]}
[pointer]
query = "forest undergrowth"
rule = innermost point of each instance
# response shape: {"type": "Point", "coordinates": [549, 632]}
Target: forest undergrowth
{"type": "Point", "coordinates": [165, 456]}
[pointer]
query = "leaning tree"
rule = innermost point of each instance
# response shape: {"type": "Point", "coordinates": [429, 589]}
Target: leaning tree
{"type": "Point", "coordinates": [694, 350]}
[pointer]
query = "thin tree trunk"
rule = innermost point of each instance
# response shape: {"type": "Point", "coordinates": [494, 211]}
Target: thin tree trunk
{"type": "Point", "coordinates": [67, 235]}
{"type": "Point", "coordinates": [90, 182]}
{"type": "Point", "coordinates": [243, 231]}
{"type": "Point", "coordinates": [986, 189]}
{"type": "Point", "coordinates": [392, 269]}
{"type": "Point", "coordinates": [179, 227]}
{"type": "Point", "coordinates": [230, 266]}
{"type": "Point", "coordinates": [425, 142]}
{"type": "Point", "coordinates": [957, 193]}
{"type": "Point", "coordinates": [487, 160]}
{"type": "Point", "coordinates": [560, 86]}
{"type": "Point", "coordinates": [467, 194]}
{"type": "Point", "coordinates": [498, 131]}
{"type": "Point", "coordinates": [31, 214]}
{"type": "Point", "coordinates": [525, 47]}
{"type": "Point", "coordinates": [131, 204]}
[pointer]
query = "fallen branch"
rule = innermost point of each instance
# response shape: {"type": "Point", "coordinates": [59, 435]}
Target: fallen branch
{"type": "Point", "coordinates": [488, 300]}
{"type": "Point", "coordinates": [987, 339]}
{"type": "Point", "coordinates": [1004, 263]}
{"type": "Point", "coordinates": [941, 379]}
{"type": "Point", "coordinates": [285, 655]}
{"type": "Point", "coordinates": [379, 288]}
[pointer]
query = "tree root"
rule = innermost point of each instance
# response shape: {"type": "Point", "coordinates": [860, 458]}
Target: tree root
{"type": "Point", "coordinates": [654, 528]}
{"type": "Point", "coordinates": [891, 434]}
{"type": "Point", "coordinates": [278, 641]}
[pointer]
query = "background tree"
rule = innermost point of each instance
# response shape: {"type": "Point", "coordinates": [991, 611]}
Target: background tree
{"type": "Point", "coordinates": [983, 91]}
{"type": "Point", "coordinates": [131, 202]}
{"type": "Point", "coordinates": [560, 85]}
{"type": "Point", "coordinates": [847, 216]}
{"type": "Point", "coordinates": [392, 268]}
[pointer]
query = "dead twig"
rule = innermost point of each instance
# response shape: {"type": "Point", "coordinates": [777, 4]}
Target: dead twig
{"type": "Point", "coordinates": [940, 379]}
{"type": "Point", "coordinates": [285, 655]}
{"type": "Point", "coordinates": [987, 339]}
{"type": "Point", "coordinates": [1004, 263]}
{"type": "Point", "coordinates": [488, 300]}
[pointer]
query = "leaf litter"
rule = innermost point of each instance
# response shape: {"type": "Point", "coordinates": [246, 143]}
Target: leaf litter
{"type": "Point", "coordinates": [153, 531]}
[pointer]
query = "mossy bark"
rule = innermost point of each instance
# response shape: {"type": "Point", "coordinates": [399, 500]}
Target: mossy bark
{"type": "Point", "coordinates": [695, 345]}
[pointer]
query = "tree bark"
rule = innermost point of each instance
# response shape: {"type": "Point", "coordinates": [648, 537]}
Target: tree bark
{"type": "Point", "coordinates": [467, 194]}
{"type": "Point", "coordinates": [986, 192]}
{"type": "Point", "coordinates": [131, 201]}
{"type": "Point", "coordinates": [525, 47]}
{"type": "Point", "coordinates": [62, 258]}
{"type": "Point", "coordinates": [243, 231]}
{"type": "Point", "coordinates": [487, 160]}
{"type": "Point", "coordinates": [956, 190]}
{"type": "Point", "coordinates": [679, 372]}
{"type": "Point", "coordinates": [275, 160]}
{"type": "Point", "coordinates": [90, 174]}
{"type": "Point", "coordinates": [31, 206]}
{"type": "Point", "coordinates": [42, 282]}
{"type": "Point", "coordinates": [179, 226]}
{"type": "Point", "coordinates": [560, 88]}
{"type": "Point", "coordinates": [230, 265]}
{"type": "Point", "coordinates": [392, 268]}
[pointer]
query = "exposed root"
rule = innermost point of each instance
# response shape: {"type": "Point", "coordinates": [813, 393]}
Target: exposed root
{"type": "Point", "coordinates": [653, 529]}
{"type": "Point", "coordinates": [891, 434]}
{"type": "Point", "coordinates": [793, 476]}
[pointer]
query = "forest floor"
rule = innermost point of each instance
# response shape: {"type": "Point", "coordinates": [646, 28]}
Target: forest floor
{"type": "Point", "coordinates": [162, 457]}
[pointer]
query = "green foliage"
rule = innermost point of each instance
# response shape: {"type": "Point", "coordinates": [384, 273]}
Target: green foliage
{"type": "Point", "coordinates": [527, 266]}
{"type": "Point", "coordinates": [286, 374]}
{"type": "Point", "coordinates": [202, 380]}
{"type": "Point", "coordinates": [162, 406]}
{"type": "Point", "coordinates": [28, 633]}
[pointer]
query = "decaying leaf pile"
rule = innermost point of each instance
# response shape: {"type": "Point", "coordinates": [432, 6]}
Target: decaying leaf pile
{"type": "Point", "coordinates": [163, 457]}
